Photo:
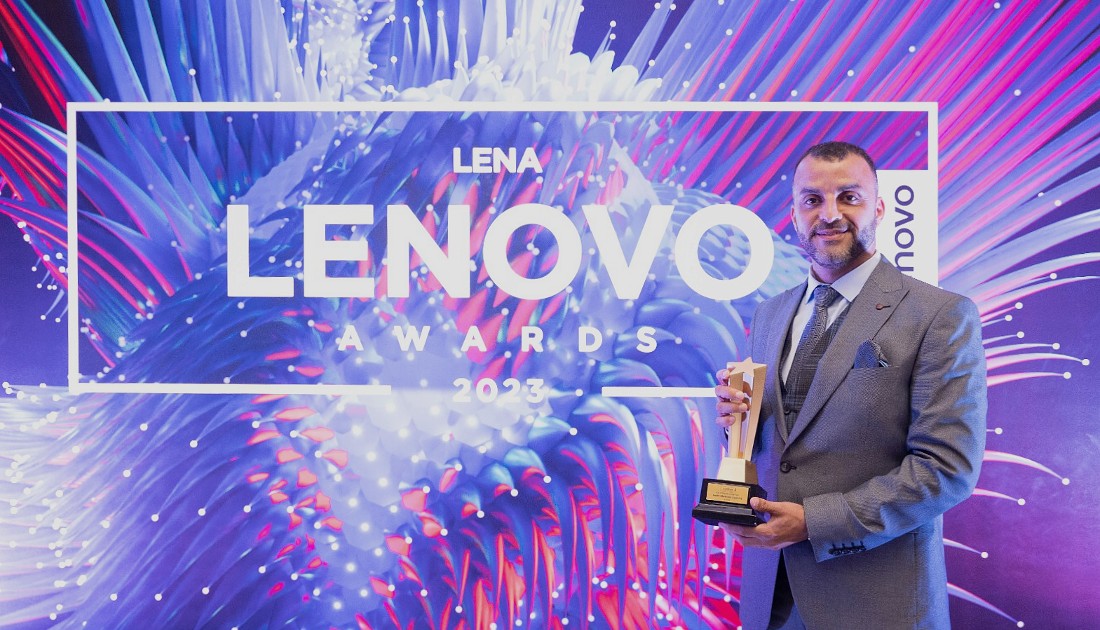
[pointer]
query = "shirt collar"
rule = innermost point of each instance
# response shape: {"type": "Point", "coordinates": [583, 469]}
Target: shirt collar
{"type": "Point", "coordinates": [850, 284]}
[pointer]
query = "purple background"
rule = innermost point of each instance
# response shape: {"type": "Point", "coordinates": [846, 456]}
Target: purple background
{"type": "Point", "coordinates": [1040, 568]}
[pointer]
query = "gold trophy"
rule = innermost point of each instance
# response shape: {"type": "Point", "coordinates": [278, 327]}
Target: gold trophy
{"type": "Point", "coordinates": [726, 498]}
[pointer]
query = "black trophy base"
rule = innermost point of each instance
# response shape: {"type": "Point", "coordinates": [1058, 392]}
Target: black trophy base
{"type": "Point", "coordinates": [723, 501]}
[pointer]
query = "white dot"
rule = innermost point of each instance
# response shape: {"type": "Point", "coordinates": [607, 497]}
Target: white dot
{"type": "Point", "coordinates": [851, 73]}
{"type": "Point", "coordinates": [1066, 375]}
{"type": "Point", "coordinates": [1017, 92]}
{"type": "Point", "coordinates": [155, 518]}
{"type": "Point", "coordinates": [985, 554]}
{"type": "Point", "coordinates": [1065, 481]}
{"type": "Point", "coordinates": [794, 92]}
{"type": "Point", "coordinates": [1021, 501]}
{"type": "Point", "coordinates": [912, 49]}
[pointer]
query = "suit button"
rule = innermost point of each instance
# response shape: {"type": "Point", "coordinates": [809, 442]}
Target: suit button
{"type": "Point", "coordinates": [785, 467]}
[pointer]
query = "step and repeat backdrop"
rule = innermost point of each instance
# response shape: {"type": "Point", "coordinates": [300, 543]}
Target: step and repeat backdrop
{"type": "Point", "coordinates": [364, 314]}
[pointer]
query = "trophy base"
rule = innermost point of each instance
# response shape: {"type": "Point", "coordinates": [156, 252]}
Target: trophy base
{"type": "Point", "coordinates": [722, 501]}
{"type": "Point", "coordinates": [718, 514]}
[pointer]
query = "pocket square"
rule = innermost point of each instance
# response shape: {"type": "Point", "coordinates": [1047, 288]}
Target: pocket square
{"type": "Point", "coordinates": [870, 355]}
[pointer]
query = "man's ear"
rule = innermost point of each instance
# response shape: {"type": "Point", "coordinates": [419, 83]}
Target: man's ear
{"type": "Point", "coordinates": [880, 209]}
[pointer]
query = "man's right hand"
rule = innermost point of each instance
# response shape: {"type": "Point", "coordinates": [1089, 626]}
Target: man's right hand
{"type": "Point", "coordinates": [732, 403]}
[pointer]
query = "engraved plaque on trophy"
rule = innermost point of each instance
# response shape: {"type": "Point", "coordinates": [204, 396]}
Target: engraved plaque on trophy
{"type": "Point", "coordinates": [725, 499]}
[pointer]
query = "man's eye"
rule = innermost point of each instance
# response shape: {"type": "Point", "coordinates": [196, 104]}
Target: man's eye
{"type": "Point", "coordinates": [810, 201]}
{"type": "Point", "coordinates": [850, 198]}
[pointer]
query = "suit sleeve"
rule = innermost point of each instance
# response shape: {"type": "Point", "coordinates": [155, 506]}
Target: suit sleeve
{"type": "Point", "coordinates": [945, 444]}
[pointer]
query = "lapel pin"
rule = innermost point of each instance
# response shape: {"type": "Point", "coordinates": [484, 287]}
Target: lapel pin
{"type": "Point", "coordinates": [879, 307]}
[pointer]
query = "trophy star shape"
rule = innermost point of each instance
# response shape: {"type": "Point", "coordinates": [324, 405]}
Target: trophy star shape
{"type": "Point", "coordinates": [725, 498]}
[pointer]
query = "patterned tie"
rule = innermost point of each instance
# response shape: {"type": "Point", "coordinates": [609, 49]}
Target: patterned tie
{"type": "Point", "coordinates": [814, 342]}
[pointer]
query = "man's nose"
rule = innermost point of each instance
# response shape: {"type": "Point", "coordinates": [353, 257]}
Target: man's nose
{"type": "Point", "coordinates": [828, 212]}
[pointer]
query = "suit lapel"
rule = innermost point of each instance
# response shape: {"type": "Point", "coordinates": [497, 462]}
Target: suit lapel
{"type": "Point", "coordinates": [870, 310]}
{"type": "Point", "coordinates": [778, 332]}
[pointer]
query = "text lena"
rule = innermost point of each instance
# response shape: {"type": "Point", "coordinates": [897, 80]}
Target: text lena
{"type": "Point", "coordinates": [495, 160]}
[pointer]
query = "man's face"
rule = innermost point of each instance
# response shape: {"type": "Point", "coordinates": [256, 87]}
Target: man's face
{"type": "Point", "coordinates": [836, 211]}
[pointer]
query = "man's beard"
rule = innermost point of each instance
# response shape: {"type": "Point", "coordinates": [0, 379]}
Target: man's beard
{"type": "Point", "coordinates": [836, 259]}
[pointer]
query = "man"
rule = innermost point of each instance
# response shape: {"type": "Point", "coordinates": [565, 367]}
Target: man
{"type": "Point", "coordinates": [872, 422]}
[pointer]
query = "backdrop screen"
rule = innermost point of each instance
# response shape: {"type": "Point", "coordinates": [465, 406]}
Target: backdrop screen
{"type": "Point", "coordinates": [407, 314]}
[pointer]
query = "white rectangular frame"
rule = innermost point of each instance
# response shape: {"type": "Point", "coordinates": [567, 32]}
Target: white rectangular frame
{"type": "Point", "coordinates": [73, 109]}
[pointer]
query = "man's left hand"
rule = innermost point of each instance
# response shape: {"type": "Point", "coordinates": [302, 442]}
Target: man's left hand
{"type": "Point", "coordinates": [785, 526]}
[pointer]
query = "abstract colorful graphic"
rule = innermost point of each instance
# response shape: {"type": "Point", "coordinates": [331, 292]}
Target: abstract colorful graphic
{"type": "Point", "coordinates": [493, 485]}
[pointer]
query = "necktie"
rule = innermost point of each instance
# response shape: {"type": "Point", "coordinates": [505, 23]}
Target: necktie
{"type": "Point", "coordinates": [814, 342]}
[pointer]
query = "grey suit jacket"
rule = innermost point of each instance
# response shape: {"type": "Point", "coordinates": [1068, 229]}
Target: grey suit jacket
{"type": "Point", "coordinates": [876, 456]}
